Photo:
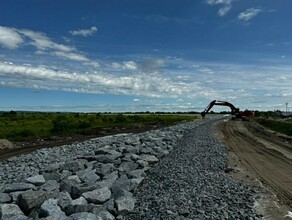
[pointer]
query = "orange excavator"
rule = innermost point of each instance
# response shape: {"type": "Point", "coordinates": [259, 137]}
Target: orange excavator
{"type": "Point", "coordinates": [236, 113]}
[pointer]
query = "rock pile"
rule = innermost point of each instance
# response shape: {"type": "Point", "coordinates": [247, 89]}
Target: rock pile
{"type": "Point", "coordinates": [95, 179]}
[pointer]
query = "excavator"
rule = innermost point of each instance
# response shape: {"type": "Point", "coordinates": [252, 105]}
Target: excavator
{"type": "Point", "coordinates": [236, 113]}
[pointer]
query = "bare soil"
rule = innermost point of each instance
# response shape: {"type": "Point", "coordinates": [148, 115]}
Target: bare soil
{"type": "Point", "coordinates": [263, 159]}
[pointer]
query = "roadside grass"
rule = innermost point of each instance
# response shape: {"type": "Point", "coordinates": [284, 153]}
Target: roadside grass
{"type": "Point", "coordinates": [26, 126]}
{"type": "Point", "coordinates": [275, 125]}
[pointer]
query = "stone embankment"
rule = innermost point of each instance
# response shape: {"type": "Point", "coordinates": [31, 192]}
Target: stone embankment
{"type": "Point", "coordinates": [170, 173]}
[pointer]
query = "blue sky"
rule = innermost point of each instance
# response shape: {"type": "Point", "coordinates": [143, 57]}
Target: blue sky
{"type": "Point", "coordinates": [144, 55]}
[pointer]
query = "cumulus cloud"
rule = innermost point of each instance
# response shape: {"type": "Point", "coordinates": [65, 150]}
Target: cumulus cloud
{"type": "Point", "coordinates": [225, 6]}
{"type": "Point", "coordinates": [9, 38]}
{"type": "Point", "coordinates": [93, 82]}
{"type": "Point", "coordinates": [249, 14]}
{"type": "Point", "coordinates": [84, 32]}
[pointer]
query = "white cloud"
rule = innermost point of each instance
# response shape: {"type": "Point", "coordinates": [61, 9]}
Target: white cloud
{"type": "Point", "coordinates": [130, 65]}
{"type": "Point", "coordinates": [116, 65]}
{"type": "Point", "coordinates": [223, 11]}
{"type": "Point", "coordinates": [9, 38]}
{"type": "Point", "coordinates": [13, 38]}
{"type": "Point", "coordinates": [226, 6]}
{"type": "Point", "coordinates": [42, 42]}
{"type": "Point", "coordinates": [84, 32]}
{"type": "Point", "coordinates": [93, 82]}
{"type": "Point", "coordinates": [71, 56]}
{"type": "Point", "coordinates": [249, 14]}
{"type": "Point", "coordinates": [126, 65]}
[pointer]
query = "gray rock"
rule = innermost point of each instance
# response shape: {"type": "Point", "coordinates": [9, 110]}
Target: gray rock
{"type": "Point", "coordinates": [136, 173]}
{"type": "Point", "coordinates": [112, 175]}
{"type": "Point", "coordinates": [103, 150]}
{"type": "Point", "coordinates": [72, 187]}
{"type": "Point", "coordinates": [143, 164]}
{"type": "Point", "coordinates": [73, 166]}
{"type": "Point", "coordinates": [65, 174]}
{"type": "Point", "coordinates": [80, 201]}
{"type": "Point", "coordinates": [104, 158]}
{"type": "Point", "coordinates": [136, 181]}
{"type": "Point", "coordinates": [98, 196]}
{"type": "Point", "coordinates": [50, 208]}
{"type": "Point", "coordinates": [124, 183]}
{"type": "Point", "coordinates": [83, 216]}
{"type": "Point", "coordinates": [18, 187]}
{"type": "Point", "coordinates": [127, 166]}
{"type": "Point", "coordinates": [104, 169]}
{"type": "Point", "coordinates": [88, 176]}
{"type": "Point", "coordinates": [105, 215]}
{"type": "Point", "coordinates": [149, 158]}
{"type": "Point", "coordinates": [36, 180]}
{"type": "Point", "coordinates": [105, 183]}
{"type": "Point", "coordinates": [119, 192]}
{"type": "Point", "coordinates": [52, 176]}
{"type": "Point", "coordinates": [29, 200]}
{"type": "Point", "coordinates": [5, 198]}
{"type": "Point", "coordinates": [9, 210]}
{"type": "Point", "coordinates": [50, 185]}
{"type": "Point", "coordinates": [110, 206]}
{"type": "Point", "coordinates": [64, 199]}
{"type": "Point", "coordinates": [14, 195]}
{"type": "Point", "coordinates": [74, 177]}
{"type": "Point", "coordinates": [18, 217]}
{"type": "Point", "coordinates": [131, 149]}
{"type": "Point", "coordinates": [125, 204]}
{"type": "Point", "coordinates": [71, 209]}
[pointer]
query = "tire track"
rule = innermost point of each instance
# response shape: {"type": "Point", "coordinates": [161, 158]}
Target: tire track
{"type": "Point", "coordinates": [271, 161]}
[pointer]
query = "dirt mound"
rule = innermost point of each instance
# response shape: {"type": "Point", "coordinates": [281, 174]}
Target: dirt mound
{"type": "Point", "coordinates": [5, 144]}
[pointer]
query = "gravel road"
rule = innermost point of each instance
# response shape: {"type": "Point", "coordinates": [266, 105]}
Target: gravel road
{"type": "Point", "coordinates": [171, 173]}
{"type": "Point", "coordinates": [191, 183]}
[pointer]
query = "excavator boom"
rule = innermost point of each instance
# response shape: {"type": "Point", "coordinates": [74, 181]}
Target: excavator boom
{"type": "Point", "coordinates": [234, 110]}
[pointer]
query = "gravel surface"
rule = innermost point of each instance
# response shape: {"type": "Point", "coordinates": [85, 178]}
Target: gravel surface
{"type": "Point", "coordinates": [171, 173]}
{"type": "Point", "coordinates": [191, 183]}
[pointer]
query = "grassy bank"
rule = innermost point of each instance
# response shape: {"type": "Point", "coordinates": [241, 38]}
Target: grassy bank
{"type": "Point", "coordinates": [23, 126]}
{"type": "Point", "coordinates": [276, 125]}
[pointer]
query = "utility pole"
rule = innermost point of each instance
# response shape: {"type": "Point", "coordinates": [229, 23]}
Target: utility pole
{"type": "Point", "coordinates": [286, 108]}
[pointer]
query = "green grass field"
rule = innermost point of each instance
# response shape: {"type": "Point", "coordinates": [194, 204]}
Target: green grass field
{"type": "Point", "coordinates": [284, 127]}
{"type": "Point", "coordinates": [23, 126]}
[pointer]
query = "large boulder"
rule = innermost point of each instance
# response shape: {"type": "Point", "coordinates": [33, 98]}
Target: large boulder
{"type": "Point", "coordinates": [5, 198]}
{"type": "Point", "coordinates": [30, 200]}
{"type": "Point", "coordinates": [36, 180]}
{"type": "Point", "coordinates": [14, 187]}
{"type": "Point", "coordinates": [98, 196]}
{"type": "Point", "coordinates": [125, 204]}
{"type": "Point", "coordinates": [51, 209]}
{"type": "Point", "coordinates": [9, 210]}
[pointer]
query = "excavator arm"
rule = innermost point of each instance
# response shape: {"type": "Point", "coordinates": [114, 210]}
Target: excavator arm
{"type": "Point", "coordinates": [234, 110]}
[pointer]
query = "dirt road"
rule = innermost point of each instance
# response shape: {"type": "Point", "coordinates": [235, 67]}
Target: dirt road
{"type": "Point", "coordinates": [262, 154]}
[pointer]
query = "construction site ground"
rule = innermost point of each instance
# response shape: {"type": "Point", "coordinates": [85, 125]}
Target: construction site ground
{"type": "Point", "coordinates": [261, 158]}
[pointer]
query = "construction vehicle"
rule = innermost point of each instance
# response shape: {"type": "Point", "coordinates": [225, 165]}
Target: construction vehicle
{"type": "Point", "coordinates": [235, 112]}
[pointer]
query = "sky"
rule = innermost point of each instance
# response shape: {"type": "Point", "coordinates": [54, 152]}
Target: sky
{"type": "Point", "coordinates": [144, 55]}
